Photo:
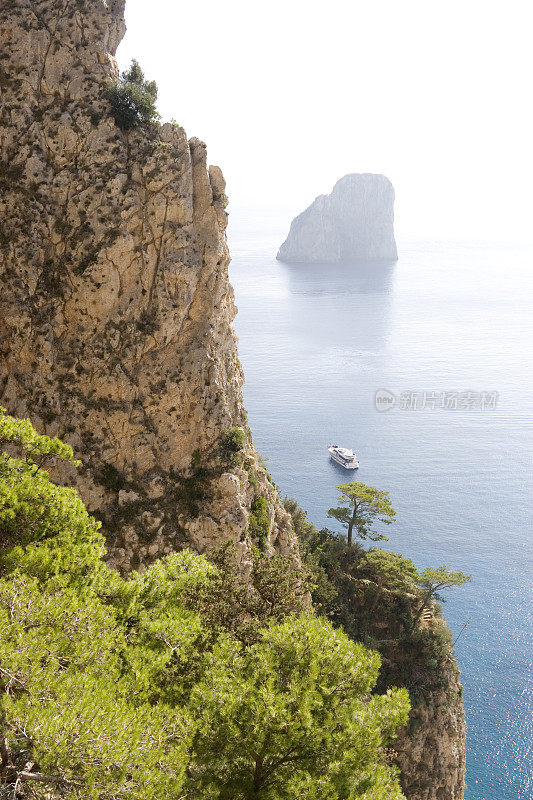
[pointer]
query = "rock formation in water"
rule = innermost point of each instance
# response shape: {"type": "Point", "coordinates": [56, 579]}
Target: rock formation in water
{"type": "Point", "coordinates": [116, 311]}
{"type": "Point", "coordinates": [353, 223]}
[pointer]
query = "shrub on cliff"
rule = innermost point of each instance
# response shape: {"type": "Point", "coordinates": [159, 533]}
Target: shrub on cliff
{"type": "Point", "coordinates": [378, 598]}
{"type": "Point", "coordinates": [274, 589]}
{"type": "Point", "coordinates": [258, 522]}
{"type": "Point", "coordinates": [133, 99]}
{"type": "Point", "coordinates": [70, 722]}
{"type": "Point", "coordinates": [124, 688]}
{"type": "Point", "coordinates": [231, 443]}
{"type": "Point", "coordinates": [34, 510]}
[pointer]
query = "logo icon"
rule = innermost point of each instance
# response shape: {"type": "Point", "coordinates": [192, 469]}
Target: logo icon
{"type": "Point", "coordinates": [384, 400]}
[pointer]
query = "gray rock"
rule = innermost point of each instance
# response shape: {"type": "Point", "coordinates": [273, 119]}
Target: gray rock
{"type": "Point", "coordinates": [354, 222]}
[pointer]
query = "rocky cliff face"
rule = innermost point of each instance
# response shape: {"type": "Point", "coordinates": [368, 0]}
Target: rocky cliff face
{"type": "Point", "coordinates": [354, 222]}
{"type": "Point", "coordinates": [431, 749]}
{"type": "Point", "coordinates": [116, 311]}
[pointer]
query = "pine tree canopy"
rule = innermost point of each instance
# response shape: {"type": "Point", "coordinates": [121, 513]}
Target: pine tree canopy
{"type": "Point", "coordinates": [122, 688]}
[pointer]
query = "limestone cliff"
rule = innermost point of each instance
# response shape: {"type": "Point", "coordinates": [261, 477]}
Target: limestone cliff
{"type": "Point", "coordinates": [355, 222]}
{"type": "Point", "coordinates": [116, 311]}
{"type": "Point", "coordinates": [431, 749]}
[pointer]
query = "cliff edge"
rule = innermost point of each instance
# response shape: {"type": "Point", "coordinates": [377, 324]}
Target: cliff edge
{"type": "Point", "coordinates": [375, 597]}
{"type": "Point", "coordinates": [430, 750]}
{"type": "Point", "coordinates": [116, 310]}
{"type": "Point", "coordinates": [355, 222]}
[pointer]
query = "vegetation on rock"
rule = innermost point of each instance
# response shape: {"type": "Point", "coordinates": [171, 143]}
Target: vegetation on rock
{"type": "Point", "coordinates": [292, 716]}
{"type": "Point", "coordinates": [273, 591]}
{"type": "Point", "coordinates": [133, 99]}
{"type": "Point", "coordinates": [144, 687]}
{"type": "Point", "coordinates": [258, 521]}
{"type": "Point", "coordinates": [375, 595]}
{"type": "Point", "coordinates": [231, 443]}
{"type": "Point", "coordinates": [381, 600]}
{"type": "Point", "coordinates": [435, 579]}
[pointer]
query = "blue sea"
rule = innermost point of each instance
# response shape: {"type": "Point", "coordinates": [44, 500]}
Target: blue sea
{"type": "Point", "coordinates": [447, 330]}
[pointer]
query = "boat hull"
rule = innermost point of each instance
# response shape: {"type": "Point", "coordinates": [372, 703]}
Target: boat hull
{"type": "Point", "coordinates": [346, 464]}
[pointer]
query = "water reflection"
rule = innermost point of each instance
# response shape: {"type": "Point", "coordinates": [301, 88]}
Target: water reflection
{"type": "Point", "coordinates": [326, 299]}
{"type": "Point", "coordinates": [357, 277]}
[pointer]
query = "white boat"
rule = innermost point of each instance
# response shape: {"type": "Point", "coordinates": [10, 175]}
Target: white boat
{"type": "Point", "coordinates": [346, 458]}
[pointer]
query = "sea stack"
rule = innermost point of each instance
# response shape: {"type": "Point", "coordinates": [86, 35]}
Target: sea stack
{"type": "Point", "coordinates": [353, 223]}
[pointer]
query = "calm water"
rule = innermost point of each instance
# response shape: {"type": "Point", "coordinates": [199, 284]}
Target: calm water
{"type": "Point", "coordinates": [316, 342]}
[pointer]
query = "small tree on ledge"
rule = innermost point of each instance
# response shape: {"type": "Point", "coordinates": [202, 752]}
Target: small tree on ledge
{"type": "Point", "coordinates": [434, 579]}
{"type": "Point", "coordinates": [133, 99]}
{"type": "Point", "coordinates": [364, 505]}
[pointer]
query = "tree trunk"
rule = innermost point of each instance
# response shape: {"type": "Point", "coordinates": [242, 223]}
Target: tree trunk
{"type": "Point", "coordinates": [258, 770]}
{"type": "Point", "coordinates": [350, 527]}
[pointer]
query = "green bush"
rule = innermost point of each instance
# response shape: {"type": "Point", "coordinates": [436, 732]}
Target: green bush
{"type": "Point", "coordinates": [258, 522]}
{"type": "Point", "coordinates": [275, 589]}
{"type": "Point", "coordinates": [231, 442]}
{"type": "Point", "coordinates": [292, 717]}
{"type": "Point", "coordinates": [133, 99]}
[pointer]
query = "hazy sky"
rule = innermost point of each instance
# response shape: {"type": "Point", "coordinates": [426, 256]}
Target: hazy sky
{"type": "Point", "coordinates": [290, 95]}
